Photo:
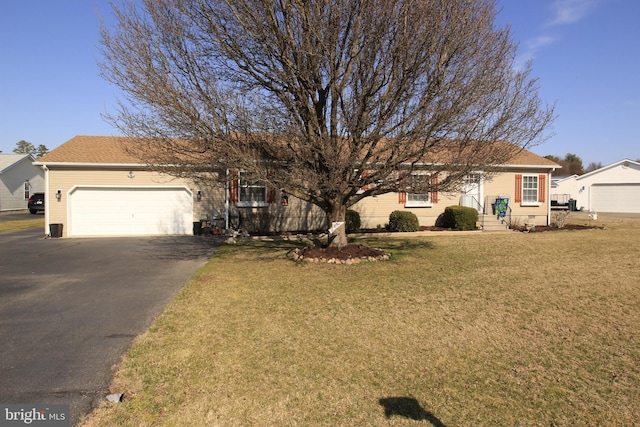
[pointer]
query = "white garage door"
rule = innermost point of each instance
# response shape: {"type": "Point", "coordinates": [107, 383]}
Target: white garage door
{"type": "Point", "coordinates": [615, 197]}
{"type": "Point", "coordinates": [95, 211]}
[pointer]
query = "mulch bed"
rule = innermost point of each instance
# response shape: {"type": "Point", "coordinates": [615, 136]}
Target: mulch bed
{"type": "Point", "coordinates": [350, 254]}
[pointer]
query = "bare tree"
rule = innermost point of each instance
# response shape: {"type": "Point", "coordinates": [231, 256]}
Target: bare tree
{"type": "Point", "coordinates": [309, 94]}
{"type": "Point", "coordinates": [593, 166]}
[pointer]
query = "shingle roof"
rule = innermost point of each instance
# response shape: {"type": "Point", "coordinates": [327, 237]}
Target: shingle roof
{"type": "Point", "coordinates": [92, 149]}
{"type": "Point", "coordinates": [527, 158]}
{"type": "Point", "coordinates": [113, 150]}
{"type": "Point", "coordinates": [8, 160]}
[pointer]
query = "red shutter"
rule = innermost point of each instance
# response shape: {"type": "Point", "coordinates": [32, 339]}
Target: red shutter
{"type": "Point", "coordinates": [518, 195]}
{"type": "Point", "coordinates": [233, 186]}
{"type": "Point", "coordinates": [434, 194]}
{"type": "Point", "coordinates": [542, 188]}
{"type": "Point", "coordinates": [271, 191]}
{"type": "Point", "coordinates": [364, 174]}
{"type": "Point", "coordinates": [271, 195]}
{"type": "Point", "coordinates": [402, 195]}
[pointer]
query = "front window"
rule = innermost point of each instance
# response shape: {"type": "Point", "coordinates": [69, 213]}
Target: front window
{"type": "Point", "coordinates": [529, 189]}
{"type": "Point", "coordinates": [418, 180]}
{"type": "Point", "coordinates": [252, 193]}
{"type": "Point", "coordinates": [27, 190]}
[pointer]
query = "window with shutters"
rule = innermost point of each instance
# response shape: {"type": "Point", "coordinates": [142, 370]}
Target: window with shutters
{"type": "Point", "coordinates": [417, 200]}
{"type": "Point", "coordinates": [251, 192]}
{"type": "Point", "coordinates": [530, 189]}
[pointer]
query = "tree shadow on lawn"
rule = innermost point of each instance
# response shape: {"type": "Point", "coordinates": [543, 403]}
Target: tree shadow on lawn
{"type": "Point", "coordinates": [397, 246]}
{"type": "Point", "coordinates": [263, 249]}
{"type": "Point", "coordinates": [408, 407]}
{"type": "Point", "coordinates": [180, 248]}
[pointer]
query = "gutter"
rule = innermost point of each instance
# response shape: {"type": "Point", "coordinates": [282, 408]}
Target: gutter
{"type": "Point", "coordinates": [47, 204]}
{"type": "Point", "coordinates": [502, 166]}
{"type": "Point", "coordinates": [549, 196]}
{"type": "Point", "coordinates": [93, 165]}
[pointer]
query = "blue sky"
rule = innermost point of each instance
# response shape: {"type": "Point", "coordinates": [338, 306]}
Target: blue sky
{"type": "Point", "coordinates": [586, 55]}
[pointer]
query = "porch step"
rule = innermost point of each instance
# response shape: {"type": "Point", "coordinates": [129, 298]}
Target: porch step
{"type": "Point", "coordinates": [492, 223]}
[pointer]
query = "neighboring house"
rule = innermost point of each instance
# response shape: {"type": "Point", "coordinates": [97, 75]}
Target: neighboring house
{"type": "Point", "coordinates": [612, 188]}
{"type": "Point", "coordinates": [19, 179]}
{"type": "Point", "coordinates": [563, 189]}
{"type": "Point", "coordinates": [95, 188]}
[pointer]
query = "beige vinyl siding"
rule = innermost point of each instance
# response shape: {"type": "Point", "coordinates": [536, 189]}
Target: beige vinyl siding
{"type": "Point", "coordinates": [375, 211]}
{"type": "Point", "coordinates": [504, 185]}
{"type": "Point", "coordinates": [212, 199]}
{"type": "Point", "coordinates": [298, 216]}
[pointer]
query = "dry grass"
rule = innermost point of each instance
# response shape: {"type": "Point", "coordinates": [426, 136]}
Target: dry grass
{"type": "Point", "coordinates": [466, 330]}
{"type": "Point", "coordinates": [21, 224]}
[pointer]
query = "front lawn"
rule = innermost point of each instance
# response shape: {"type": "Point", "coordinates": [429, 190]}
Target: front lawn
{"type": "Point", "coordinates": [456, 330]}
{"type": "Point", "coordinates": [21, 224]}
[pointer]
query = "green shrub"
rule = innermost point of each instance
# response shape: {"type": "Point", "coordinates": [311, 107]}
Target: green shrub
{"type": "Point", "coordinates": [352, 221]}
{"type": "Point", "coordinates": [460, 218]}
{"type": "Point", "coordinates": [403, 221]}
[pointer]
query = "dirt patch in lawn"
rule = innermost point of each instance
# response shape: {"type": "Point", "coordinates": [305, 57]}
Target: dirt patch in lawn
{"type": "Point", "coordinates": [542, 228]}
{"type": "Point", "coordinates": [384, 230]}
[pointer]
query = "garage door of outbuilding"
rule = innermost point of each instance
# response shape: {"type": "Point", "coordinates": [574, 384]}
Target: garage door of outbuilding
{"type": "Point", "coordinates": [615, 197]}
{"type": "Point", "coordinates": [130, 211]}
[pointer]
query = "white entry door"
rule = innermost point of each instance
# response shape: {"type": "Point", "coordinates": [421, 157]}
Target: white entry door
{"type": "Point", "coordinates": [130, 211]}
{"type": "Point", "coordinates": [472, 191]}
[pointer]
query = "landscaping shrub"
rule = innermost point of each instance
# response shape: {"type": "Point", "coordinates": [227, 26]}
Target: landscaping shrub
{"type": "Point", "coordinates": [403, 221]}
{"type": "Point", "coordinates": [352, 221]}
{"type": "Point", "coordinates": [558, 219]}
{"type": "Point", "coordinates": [460, 218]}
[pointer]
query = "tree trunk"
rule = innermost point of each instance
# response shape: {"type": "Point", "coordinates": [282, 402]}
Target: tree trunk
{"type": "Point", "coordinates": [338, 238]}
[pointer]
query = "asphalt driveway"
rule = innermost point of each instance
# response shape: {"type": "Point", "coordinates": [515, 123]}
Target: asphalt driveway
{"type": "Point", "coordinates": [70, 308]}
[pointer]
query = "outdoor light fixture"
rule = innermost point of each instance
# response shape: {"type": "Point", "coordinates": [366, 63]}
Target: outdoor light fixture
{"type": "Point", "coordinates": [199, 195]}
{"type": "Point", "coordinates": [284, 200]}
{"type": "Point", "coordinates": [59, 194]}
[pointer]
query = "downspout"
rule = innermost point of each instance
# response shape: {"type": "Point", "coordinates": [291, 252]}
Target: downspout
{"type": "Point", "coordinates": [226, 202]}
{"type": "Point", "coordinates": [549, 197]}
{"type": "Point", "coordinates": [47, 205]}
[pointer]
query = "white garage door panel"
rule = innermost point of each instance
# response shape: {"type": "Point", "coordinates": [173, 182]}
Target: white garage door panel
{"type": "Point", "coordinates": [615, 198]}
{"type": "Point", "coordinates": [130, 211]}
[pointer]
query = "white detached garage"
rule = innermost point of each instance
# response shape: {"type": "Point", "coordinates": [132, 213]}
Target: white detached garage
{"type": "Point", "coordinates": [612, 188]}
{"type": "Point", "coordinates": [129, 211]}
